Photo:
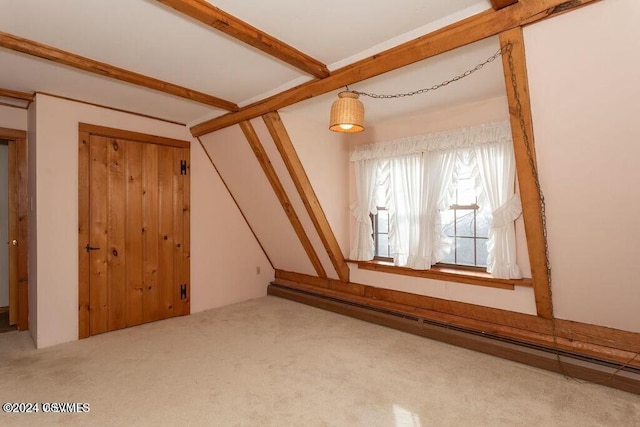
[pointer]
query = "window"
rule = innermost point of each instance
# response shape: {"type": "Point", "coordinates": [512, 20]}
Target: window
{"type": "Point", "coordinates": [380, 225]}
{"type": "Point", "coordinates": [466, 223]}
{"type": "Point", "coordinates": [448, 197]}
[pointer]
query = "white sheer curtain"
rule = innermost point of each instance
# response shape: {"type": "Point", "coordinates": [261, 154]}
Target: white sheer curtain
{"type": "Point", "coordinates": [497, 169]}
{"type": "Point", "coordinates": [404, 202]}
{"type": "Point", "coordinates": [419, 188]}
{"type": "Point", "coordinates": [366, 180]}
{"type": "Point", "coordinates": [420, 173]}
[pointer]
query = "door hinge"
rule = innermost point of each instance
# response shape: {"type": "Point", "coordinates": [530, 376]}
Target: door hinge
{"type": "Point", "coordinates": [183, 291]}
{"type": "Point", "coordinates": [183, 167]}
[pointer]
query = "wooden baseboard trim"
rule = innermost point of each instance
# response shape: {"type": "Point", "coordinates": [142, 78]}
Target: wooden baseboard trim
{"type": "Point", "coordinates": [4, 309]}
{"type": "Point", "coordinates": [574, 365]}
{"type": "Point", "coordinates": [590, 340]}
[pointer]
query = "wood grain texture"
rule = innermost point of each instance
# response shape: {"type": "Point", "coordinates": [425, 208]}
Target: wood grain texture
{"type": "Point", "coordinates": [133, 234]}
{"type": "Point", "coordinates": [183, 226]}
{"type": "Point", "coordinates": [166, 266]}
{"type": "Point", "coordinates": [435, 274]}
{"type": "Point", "coordinates": [13, 232]}
{"type": "Point", "coordinates": [499, 4]}
{"type": "Point", "coordinates": [7, 133]}
{"type": "Point", "coordinates": [585, 339]}
{"type": "Point", "coordinates": [84, 178]}
{"type": "Point", "coordinates": [133, 206]}
{"type": "Point", "coordinates": [59, 56]}
{"type": "Point", "coordinates": [281, 194]}
{"type": "Point", "coordinates": [23, 233]}
{"type": "Point", "coordinates": [307, 194]}
{"type": "Point", "coordinates": [515, 73]}
{"type": "Point", "coordinates": [18, 223]}
{"type": "Point", "coordinates": [327, 283]}
{"type": "Point", "coordinates": [466, 31]}
{"type": "Point", "coordinates": [220, 20]}
{"type": "Point", "coordinates": [8, 93]}
{"type": "Point", "coordinates": [151, 232]}
{"type": "Point", "coordinates": [117, 216]}
{"type": "Point", "coordinates": [98, 235]}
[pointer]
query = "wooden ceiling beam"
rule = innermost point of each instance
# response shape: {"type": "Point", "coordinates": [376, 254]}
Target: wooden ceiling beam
{"type": "Point", "coordinates": [210, 15]}
{"type": "Point", "coordinates": [517, 87]}
{"type": "Point", "coordinates": [59, 56]}
{"type": "Point", "coordinates": [469, 30]}
{"type": "Point", "coordinates": [499, 4]}
{"type": "Point", "coordinates": [272, 176]}
{"type": "Point", "coordinates": [309, 198]}
{"type": "Point", "coordinates": [14, 94]}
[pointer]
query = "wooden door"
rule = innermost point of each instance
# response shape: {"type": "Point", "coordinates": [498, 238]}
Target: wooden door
{"type": "Point", "coordinates": [18, 226]}
{"type": "Point", "coordinates": [137, 233]}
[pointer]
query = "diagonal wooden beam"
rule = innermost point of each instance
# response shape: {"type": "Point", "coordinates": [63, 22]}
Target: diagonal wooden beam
{"type": "Point", "coordinates": [472, 29]}
{"type": "Point", "coordinates": [7, 93]}
{"type": "Point", "coordinates": [278, 189]}
{"type": "Point", "coordinates": [210, 15]}
{"type": "Point", "coordinates": [516, 82]}
{"type": "Point", "coordinates": [499, 4]}
{"type": "Point", "coordinates": [59, 56]}
{"type": "Point", "coordinates": [307, 194]}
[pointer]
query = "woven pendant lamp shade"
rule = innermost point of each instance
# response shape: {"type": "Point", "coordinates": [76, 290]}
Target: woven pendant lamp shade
{"type": "Point", "coordinates": [347, 113]}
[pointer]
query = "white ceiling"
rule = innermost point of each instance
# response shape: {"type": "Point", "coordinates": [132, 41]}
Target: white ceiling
{"type": "Point", "coordinates": [149, 38]}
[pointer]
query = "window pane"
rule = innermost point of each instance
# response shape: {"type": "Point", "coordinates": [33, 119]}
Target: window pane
{"type": "Point", "coordinates": [447, 219]}
{"type": "Point", "coordinates": [383, 245]}
{"type": "Point", "coordinates": [465, 249]}
{"type": "Point", "coordinates": [451, 257]}
{"type": "Point", "coordinates": [383, 221]}
{"type": "Point", "coordinates": [466, 192]}
{"type": "Point", "coordinates": [464, 222]}
{"type": "Point", "coordinates": [481, 252]}
{"type": "Point", "coordinates": [483, 219]}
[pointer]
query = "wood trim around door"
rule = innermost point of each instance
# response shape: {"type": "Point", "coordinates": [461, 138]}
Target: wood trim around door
{"type": "Point", "coordinates": [18, 228]}
{"type": "Point", "coordinates": [85, 131]}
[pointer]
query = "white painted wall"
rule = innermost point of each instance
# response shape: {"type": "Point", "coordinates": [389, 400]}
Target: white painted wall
{"type": "Point", "coordinates": [294, 196]}
{"type": "Point", "coordinates": [243, 174]}
{"type": "Point", "coordinates": [4, 225]}
{"type": "Point", "coordinates": [224, 256]}
{"type": "Point", "coordinates": [583, 78]}
{"type": "Point", "coordinates": [32, 262]}
{"type": "Point", "coordinates": [13, 118]}
{"type": "Point", "coordinates": [325, 156]}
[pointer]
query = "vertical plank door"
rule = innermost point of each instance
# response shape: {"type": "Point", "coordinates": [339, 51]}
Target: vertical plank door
{"type": "Point", "coordinates": [138, 220]}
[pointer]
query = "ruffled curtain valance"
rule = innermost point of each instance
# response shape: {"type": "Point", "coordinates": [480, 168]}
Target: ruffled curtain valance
{"type": "Point", "coordinates": [468, 137]}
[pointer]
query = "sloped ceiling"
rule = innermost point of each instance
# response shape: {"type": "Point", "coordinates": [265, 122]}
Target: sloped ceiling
{"type": "Point", "coordinates": [152, 39]}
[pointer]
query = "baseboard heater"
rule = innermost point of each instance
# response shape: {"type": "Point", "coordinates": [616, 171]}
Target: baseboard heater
{"type": "Point", "coordinates": [573, 365]}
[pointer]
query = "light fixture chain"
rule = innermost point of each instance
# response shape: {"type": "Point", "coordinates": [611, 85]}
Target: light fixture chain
{"type": "Point", "coordinates": [434, 87]}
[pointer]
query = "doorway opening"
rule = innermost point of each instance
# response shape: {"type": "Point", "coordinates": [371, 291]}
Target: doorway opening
{"type": "Point", "coordinates": [14, 304]}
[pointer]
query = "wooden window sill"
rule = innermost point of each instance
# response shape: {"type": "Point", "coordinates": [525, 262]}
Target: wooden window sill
{"type": "Point", "coordinates": [448, 274]}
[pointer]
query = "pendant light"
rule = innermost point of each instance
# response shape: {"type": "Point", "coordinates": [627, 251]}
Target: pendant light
{"type": "Point", "coordinates": [347, 113]}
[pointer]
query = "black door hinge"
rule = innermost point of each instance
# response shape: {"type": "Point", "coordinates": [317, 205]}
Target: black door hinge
{"type": "Point", "coordinates": [183, 291]}
{"type": "Point", "coordinates": [183, 167]}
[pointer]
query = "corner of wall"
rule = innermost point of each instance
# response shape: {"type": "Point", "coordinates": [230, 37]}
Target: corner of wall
{"type": "Point", "coordinates": [33, 229]}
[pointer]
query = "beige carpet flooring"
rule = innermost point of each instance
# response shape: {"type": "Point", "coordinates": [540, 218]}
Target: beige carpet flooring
{"type": "Point", "coordinates": [273, 362]}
